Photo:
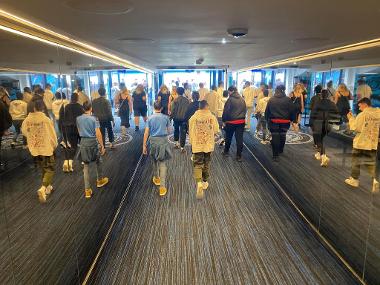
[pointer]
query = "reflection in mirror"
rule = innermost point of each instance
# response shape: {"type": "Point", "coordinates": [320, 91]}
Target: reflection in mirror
{"type": "Point", "coordinates": [334, 137]}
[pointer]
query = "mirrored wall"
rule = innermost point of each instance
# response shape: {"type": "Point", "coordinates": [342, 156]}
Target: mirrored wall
{"type": "Point", "coordinates": [347, 216]}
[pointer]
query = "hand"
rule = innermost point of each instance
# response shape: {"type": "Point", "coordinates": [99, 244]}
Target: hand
{"type": "Point", "coordinates": [102, 150]}
{"type": "Point", "coordinates": [145, 150]}
{"type": "Point", "coordinates": [350, 115]}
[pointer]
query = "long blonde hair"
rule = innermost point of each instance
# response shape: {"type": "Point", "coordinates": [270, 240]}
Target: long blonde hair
{"type": "Point", "coordinates": [164, 88]}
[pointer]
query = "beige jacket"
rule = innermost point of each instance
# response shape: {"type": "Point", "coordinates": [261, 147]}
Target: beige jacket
{"type": "Point", "coordinates": [40, 134]}
{"type": "Point", "coordinates": [212, 100]}
{"type": "Point", "coordinates": [203, 126]}
{"type": "Point", "coordinates": [48, 98]}
{"type": "Point", "coordinates": [202, 93]}
{"type": "Point", "coordinates": [366, 125]}
{"type": "Point", "coordinates": [18, 110]}
{"type": "Point", "coordinates": [82, 98]}
{"type": "Point", "coordinates": [249, 94]}
{"type": "Point", "coordinates": [57, 105]}
{"type": "Point", "coordinates": [262, 105]}
{"type": "Point", "coordinates": [27, 97]}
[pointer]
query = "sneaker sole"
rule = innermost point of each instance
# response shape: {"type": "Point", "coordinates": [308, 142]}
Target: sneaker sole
{"type": "Point", "coordinates": [41, 197]}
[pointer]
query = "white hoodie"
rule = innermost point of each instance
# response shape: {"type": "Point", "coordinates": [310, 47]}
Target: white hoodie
{"type": "Point", "coordinates": [18, 110]}
{"type": "Point", "coordinates": [366, 125]}
{"type": "Point", "coordinates": [40, 134]}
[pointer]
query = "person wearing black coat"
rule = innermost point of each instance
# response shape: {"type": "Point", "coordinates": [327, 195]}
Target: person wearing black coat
{"type": "Point", "coordinates": [280, 113]}
{"type": "Point", "coordinates": [68, 124]}
{"type": "Point", "coordinates": [193, 106]}
{"type": "Point", "coordinates": [178, 115]}
{"type": "Point", "coordinates": [234, 119]}
{"type": "Point", "coordinates": [324, 113]}
{"type": "Point", "coordinates": [5, 124]}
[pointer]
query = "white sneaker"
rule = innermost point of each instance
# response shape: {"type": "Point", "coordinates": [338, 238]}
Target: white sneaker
{"type": "Point", "coordinates": [48, 190]}
{"type": "Point", "coordinates": [317, 156]}
{"type": "Point", "coordinates": [42, 194]}
{"type": "Point", "coordinates": [325, 160]}
{"type": "Point", "coordinates": [205, 185]}
{"type": "Point", "coordinates": [176, 145]}
{"type": "Point", "coordinates": [352, 182]}
{"type": "Point", "coordinates": [200, 194]}
{"type": "Point", "coordinates": [65, 167]}
{"type": "Point", "coordinates": [375, 186]}
{"type": "Point", "coordinates": [63, 144]}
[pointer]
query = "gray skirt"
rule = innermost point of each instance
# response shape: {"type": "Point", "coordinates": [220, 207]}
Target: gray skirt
{"type": "Point", "coordinates": [89, 150]}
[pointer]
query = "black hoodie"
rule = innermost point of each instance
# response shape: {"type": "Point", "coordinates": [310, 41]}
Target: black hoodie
{"type": "Point", "coordinates": [280, 107]}
{"type": "Point", "coordinates": [234, 109]}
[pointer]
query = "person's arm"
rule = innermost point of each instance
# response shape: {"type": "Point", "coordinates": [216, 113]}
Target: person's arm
{"type": "Point", "coordinates": [302, 104]}
{"type": "Point", "coordinates": [355, 123]}
{"type": "Point", "coordinates": [336, 97]}
{"type": "Point", "coordinates": [146, 136]}
{"type": "Point", "coordinates": [99, 137]}
{"type": "Point", "coordinates": [226, 111]}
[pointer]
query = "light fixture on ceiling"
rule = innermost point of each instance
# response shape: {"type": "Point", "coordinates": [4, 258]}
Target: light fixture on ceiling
{"type": "Point", "coordinates": [319, 54]}
{"type": "Point", "coordinates": [224, 41]}
{"type": "Point", "coordinates": [25, 28]}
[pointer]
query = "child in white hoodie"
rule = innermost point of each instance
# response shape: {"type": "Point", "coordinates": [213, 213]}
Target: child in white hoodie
{"type": "Point", "coordinates": [18, 111]}
{"type": "Point", "coordinates": [42, 141]}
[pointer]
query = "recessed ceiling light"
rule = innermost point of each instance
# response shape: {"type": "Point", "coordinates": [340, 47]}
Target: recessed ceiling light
{"type": "Point", "coordinates": [294, 63]}
{"type": "Point", "coordinates": [224, 41]}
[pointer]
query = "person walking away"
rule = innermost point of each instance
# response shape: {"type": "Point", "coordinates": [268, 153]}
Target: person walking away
{"type": "Point", "coordinates": [193, 106]}
{"type": "Point", "coordinates": [157, 131]}
{"type": "Point", "coordinates": [203, 127]}
{"type": "Point", "coordinates": [222, 103]}
{"type": "Point", "coordinates": [42, 142]}
{"type": "Point", "coordinates": [4, 97]}
{"type": "Point", "coordinates": [67, 121]}
{"type": "Point", "coordinates": [60, 100]}
{"type": "Point", "coordinates": [188, 93]}
{"type": "Point", "coordinates": [297, 98]}
{"type": "Point", "coordinates": [123, 103]}
{"type": "Point", "coordinates": [5, 124]}
{"type": "Point", "coordinates": [342, 101]}
{"type": "Point", "coordinates": [82, 97]}
{"type": "Point", "coordinates": [178, 115]}
{"type": "Point", "coordinates": [331, 90]}
{"type": "Point", "coordinates": [363, 90]}
{"type": "Point", "coordinates": [163, 98]}
{"type": "Point", "coordinates": [220, 89]}
{"type": "Point", "coordinates": [202, 91]}
{"type": "Point", "coordinates": [91, 136]}
{"type": "Point", "coordinates": [139, 105]}
{"type": "Point", "coordinates": [172, 97]}
{"type": "Point", "coordinates": [212, 100]}
{"type": "Point", "coordinates": [102, 109]}
{"type": "Point", "coordinates": [249, 94]}
{"type": "Point", "coordinates": [27, 96]}
{"type": "Point", "coordinates": [18, 111]}
{"type": "Point", "coordinates": [364, 152]}
{"type": "Point", "coordinates": [234, 119]}
{"type": "Point", "coordinates": [280, 112]}
{"type": "Point", "coordinates": [48, 99]}
{"type": "Point", "coordinates": [38, 95]}
{"type": "Point", "coordinates": [260, 114]}
{"type": "Point", "coordinates": [323, 114]}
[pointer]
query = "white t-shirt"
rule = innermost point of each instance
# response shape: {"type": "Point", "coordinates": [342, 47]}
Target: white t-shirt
{"type": "Point", "coordinates": [364, 91]}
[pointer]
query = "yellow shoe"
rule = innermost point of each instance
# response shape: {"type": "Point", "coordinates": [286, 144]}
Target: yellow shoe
{"type": "Point", "coordinates": [200, 193]}
{"type": "Point", "coordinates": [156, 181]}
{"type": "Point", "coordinates": [102, 182]}
{"type": "Point", "coordinates": [163, 191]}
{"type": "Point", "coordinates": [88, 193]}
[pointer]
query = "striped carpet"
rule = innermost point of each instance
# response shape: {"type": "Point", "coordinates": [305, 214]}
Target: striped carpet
{"type": "Point", "coordinates": [243, 232]}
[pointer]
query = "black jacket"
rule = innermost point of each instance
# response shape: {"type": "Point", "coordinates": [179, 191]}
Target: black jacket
{"type": "Point", "coordinates": [324, 112]}
{"type": "Point", "coordinates": [191, 109]}
{"type": "Point", "coordinates": [179, 108]}
{"type": "Point", "coordinates": [5, 118]}
{"type": "Point", "coordinates": [314, 100]}
{"type": "Point", "coordinates": [234, 109]}
{"type": "Point", "coordinates": [280, 106]}
{"type": "Point", "coordinates": [102, 109]}
{"type": "Point", "coordinates": [68, 114]}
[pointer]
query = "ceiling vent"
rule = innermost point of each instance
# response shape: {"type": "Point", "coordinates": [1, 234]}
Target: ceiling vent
{"type": "Point", "coordinates": [237, 32]}
{"type": "Point", "coordinates": [100, 7]}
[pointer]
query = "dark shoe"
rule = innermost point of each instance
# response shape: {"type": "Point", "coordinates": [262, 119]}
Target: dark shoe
{"type": "Point", "coordinates": [276, 159]}
{"type": "Point", "coordinates": [239, 159]}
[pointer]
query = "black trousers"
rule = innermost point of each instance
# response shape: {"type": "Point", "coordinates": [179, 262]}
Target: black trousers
{"type": "Point", "coordinates": [238, 131]}
{"type": "Point", "coordinates": [107, 125]}
{"type": "Point", "coordinates": [320, 130]}
{"type": "Point", "coordinates": [366, 158]}
{"type": "Point", "coordinates": [180, 130]}
{"type": "Point", "coordinates": [71, 136]}
{"type": "Point", "coordinates": [278, 131]}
